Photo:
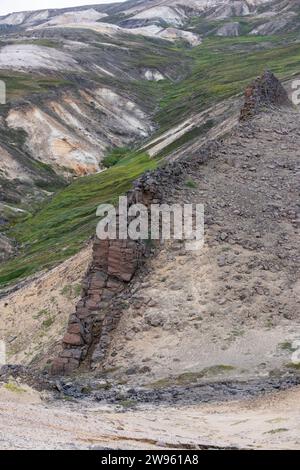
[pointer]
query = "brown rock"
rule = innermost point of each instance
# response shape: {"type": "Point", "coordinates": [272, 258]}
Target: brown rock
{"type": "Point", "coordinates": [73, 339]}
{"type": "Point", "coordinates": [75, 328]}
{"type": "Point", "coordinates": [58, 366]}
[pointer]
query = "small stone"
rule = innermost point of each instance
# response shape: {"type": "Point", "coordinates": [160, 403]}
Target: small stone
{"type": "Point", "coordinates": [223, 236]}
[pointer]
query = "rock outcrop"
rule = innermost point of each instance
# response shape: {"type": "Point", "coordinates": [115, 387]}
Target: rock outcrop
{"type": "Point", "coordinates": [229, 30]}
{"type": "Point", "coordinates": [113, 266]}
{"type": "Point", "coordinates": [6, 247]}
{"type": "Point", "coordinates": [264, 91]}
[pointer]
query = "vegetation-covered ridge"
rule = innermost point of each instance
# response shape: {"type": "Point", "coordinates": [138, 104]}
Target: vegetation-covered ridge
{"type": "Point", "coordinates": [222, 67]}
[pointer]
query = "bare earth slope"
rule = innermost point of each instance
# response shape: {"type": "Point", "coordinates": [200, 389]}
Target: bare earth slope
{"type": "Point", "coordinates": [236, 302]}
{"type": "Point", "coordinates": [33, 318]}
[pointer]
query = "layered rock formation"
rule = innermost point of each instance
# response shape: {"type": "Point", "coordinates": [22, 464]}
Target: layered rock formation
{"type": "Point", "coordinates": [105, 286]}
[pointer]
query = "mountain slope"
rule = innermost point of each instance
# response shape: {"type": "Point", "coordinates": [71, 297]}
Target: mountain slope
{"type": "Point", "coordinates": [234, 302]}
{"type": "Point", "coordinates": [239, 294]}
{"type": "Point", "coordinates": [81, 93]}
{"type": "Point", "coordinates": [69, 101]}
{"type": "Point", "coordinates": [187, 115]}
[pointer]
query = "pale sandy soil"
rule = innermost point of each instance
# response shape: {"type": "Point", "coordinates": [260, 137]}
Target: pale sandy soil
{"type": "Point", "coordinates": [33, 319]}
{"type": "Point", "coordinates": [169, 34]}
{"type": "Point", "coordinates": [272, 422]}
{"type": "Point", "coordinates": [27, 56]}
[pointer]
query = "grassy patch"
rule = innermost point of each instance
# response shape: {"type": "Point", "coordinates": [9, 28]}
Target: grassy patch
{"type": "Point", "coordinates": [45, 316]}
{"type": "Point", "coordinates": [186, 138]}
{"type": "Point", "coordinates": [222, 68]}
{"type": "Point", "coordinates": [193, 377]}
{"type": "Point", "coordinates": [47, 323]}
{"type": "Point", "coordinates": [115, 156]}
{"type": "Point", "coordinates": [41, 314]}
{"type": "Point", "coordinates": [19, 85]}
{"type": "Point", "coordinates": [276, 431]}
{"type": "Point", "coordinates": [127, 403]}
{"type": "Point", "coordinates": [190, 184]}
{"type": "Point", "coordinates": [287, 346]}
{"type": "Point", "coordinates": [293, 365]}
{"type": "Point", "coordinates": [60, 229]}
{"type": "Point", "coordinates": [71, 291]}
{"type": "Point", "coordinates": [14, 388]}
{"type": "Point", "coordinates": [40, 42]}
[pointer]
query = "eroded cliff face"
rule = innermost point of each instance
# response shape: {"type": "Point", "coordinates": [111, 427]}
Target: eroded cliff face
{"type": "Point", "coordinates": [172, 12]}
{"type": "Point", "coordinates": [71, 97]}
{"type": "Point", "coordinates": [62, 117]}
{"type": "Point", "coordinates": [73, 132]}
{"type": "Point", "coordinates": [108, 280]}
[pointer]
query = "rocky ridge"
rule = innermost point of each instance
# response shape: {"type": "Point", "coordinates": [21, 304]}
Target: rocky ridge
{"type": "Point", "coordinates": [264, 92]}
{"type": "Point", "coordinates": [115, 262]}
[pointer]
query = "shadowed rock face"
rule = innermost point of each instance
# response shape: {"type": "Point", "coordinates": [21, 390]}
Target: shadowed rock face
{"type": "Point", "coordinates": [264, 91]}
{"type": "Point", "coordinates": [113, 266]}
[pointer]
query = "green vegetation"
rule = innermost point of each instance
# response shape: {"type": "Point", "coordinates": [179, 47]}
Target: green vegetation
{"type": "Point", "coordinates": [276, 431]}
{"type": "Point", "coordinates": [207, 27]}
{"type": "Point", "coordinates": [191, 377]}
{"type": "Point", "coordinates": [190, 184]}
{"type": "Point", "coordinates": [222, 68]}
{"type": "Point", "coordinates": [14, 388]}
{"type": "Point", "coordinates": [186, 138]}
{"type": "Point", "coordinates": [287, 346]}
{"type": "Point", "coordinates": [293, 365]}
{"type": "Point", "coordinates": [11, 213]}
{"type": "Point", "coordinates": [71, 291]}
{"type": "Point", "coordinates": [19, 85]}
{"type": "Point", "coordinates": [41, 313]}
{"type": "Point", "coordinates": [127, 403]}
{"type": "Point", "coordinates": [158, 54]}
{"type": "Point", "coordinates": [45, 316]}
{"type": "Point", "coordinates": [115, 156]}
{"type": "Point", "coordinates": [40, 42]}
{"type": "Point", "coordinates": [59, 230]}
{"type": "Point", "coordinates": [217, 69]}
{"type": "Point", "coordinates": [47, 323]}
